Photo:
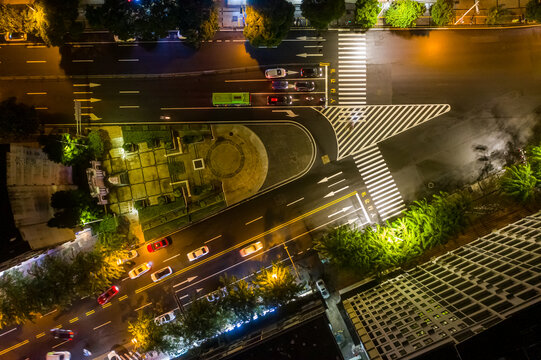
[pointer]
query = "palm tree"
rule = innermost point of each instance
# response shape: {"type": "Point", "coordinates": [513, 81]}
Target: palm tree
{"type": "Point", "coordinates": [276, 285]}
{"type": "Point", "coordinates": [240, 298]}
{"type": "Point", "coordinates": [520, 183]}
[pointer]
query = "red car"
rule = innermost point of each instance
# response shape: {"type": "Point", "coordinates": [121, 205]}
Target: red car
{"type": "Point", "coordinates": [157, 245]}
{"type": "Point", "coordinates": [108, 295]}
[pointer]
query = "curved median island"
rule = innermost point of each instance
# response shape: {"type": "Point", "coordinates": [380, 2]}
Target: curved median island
{"type": "Point", "coordinates": [165, 177]}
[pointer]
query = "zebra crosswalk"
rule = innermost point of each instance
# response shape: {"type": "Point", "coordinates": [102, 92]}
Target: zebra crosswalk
{"type": "Point", "coordinates": [380, 183]}
{"type": "Point", "coordinates": [359, 127]}
{"type": "Point", "coordinates": [351, 68]}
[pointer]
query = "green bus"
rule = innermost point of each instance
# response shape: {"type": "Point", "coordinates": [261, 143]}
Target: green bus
{"type": "Point", "coordinates": [231, 99]}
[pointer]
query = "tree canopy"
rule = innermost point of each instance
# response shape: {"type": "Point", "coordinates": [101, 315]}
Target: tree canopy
{"type": "Point", "coordinates": [366, 13]}
{"type": "Point", "coordinates": [442, 12]}
{"type": "Point", "coordinates": [375, 249]}
{"type": "Point", "coordinates": [197, 20]}
{"type": "Point", "coordinates": [73, 208]}
{"type": "Point", "coordinates": [404, 13]}
{"type": "Point", "coordinates": [533, 11]}
{"type": "Point", "coordinates": [52, 20]}
{"type": "Point", "coordinates": [268, 21]}
{"type": "Point", "coordinates": [321, 12]}
{"type": "Point", "coordinates": [17, 119]}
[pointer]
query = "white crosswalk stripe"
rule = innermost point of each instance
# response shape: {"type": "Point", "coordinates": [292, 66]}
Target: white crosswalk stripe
{"type": "Point", "coordinates": [358, 127]}
{"type": "Point", "coordinates": [351, 68]}
{"type": "Point", "coordinates": [379, 182]}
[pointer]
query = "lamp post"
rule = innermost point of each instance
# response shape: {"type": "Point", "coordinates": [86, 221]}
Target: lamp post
{"type": "Point", "coordinates": [292, 263]}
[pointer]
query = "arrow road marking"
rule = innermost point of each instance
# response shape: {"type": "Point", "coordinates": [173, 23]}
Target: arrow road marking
{"type": "Point", "coordinates": [332, 193]}
{"type": "Point", "coordinates": [91, 100]}
{"type": "Point", "coordinates": [289, 113]}
{"type": "Point", "coordinates": [344, 209]}
{"type": "Point", "coordinates": [190, 279]}
{"type": "Point", "coordinates": [304, 55]}
{"type": "Point", "coordinates": [92, 116]}
{"type": "Point", "coordinates": [327, 178]}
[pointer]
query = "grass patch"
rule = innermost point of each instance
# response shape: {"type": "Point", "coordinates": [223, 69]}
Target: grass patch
{"type": "Point", "coordinates": [166, 228]}
{"type": "Point", "coordinates": [151, 212]}
{"type": "Point", "coordinates": [146, 133]}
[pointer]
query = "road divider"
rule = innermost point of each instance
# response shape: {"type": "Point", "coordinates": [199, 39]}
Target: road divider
{"type": "Point", "coordinates": [74, 320]}
{"type": "Point", "coordinates": [123, 298]}
{"type": "Point", "coordinates": [14, 347]}
{"type": "Point", "coordinates": [88, 313]}
{"type": "Point", "coordinates": [40, 335]}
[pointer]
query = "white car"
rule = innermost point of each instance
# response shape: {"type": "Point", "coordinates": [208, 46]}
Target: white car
{"type": "Point", "coordinates": [165, 318]}
{"type": "Point", "coordinates": [322, 289]}
{"type": "Point", "coordinates": [139, 270]}
{"type": "Point", "coordinates": [250, 249]}
{"type": "Point", "coordinates": [58, 355]}
{"type": "Point", "coordinates": [132, 254]}
{"type": "Point", "coordinates": [161, 274]}
{"type": "Point", "coordinates": [113, 356]}
{"type": "Point", "coordinates": [275, 73]}
{"type": "Point", "coordinates": [197, 253]}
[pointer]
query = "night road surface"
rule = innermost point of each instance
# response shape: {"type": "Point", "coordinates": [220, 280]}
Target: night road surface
{"type": "Point", "coordinates": [490, 79]}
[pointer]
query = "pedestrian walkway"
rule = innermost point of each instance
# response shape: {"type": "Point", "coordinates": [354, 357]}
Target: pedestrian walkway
{"type": "Point", "coordinates": [357, 128]}
{"type": "Point", "coordinates": [380, 183]}
{"type": "Point", "coordinates": [351, 75]}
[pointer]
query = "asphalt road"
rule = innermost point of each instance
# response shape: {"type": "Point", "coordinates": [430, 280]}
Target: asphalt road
{"type": "Point", "coordinates": [490, 78]}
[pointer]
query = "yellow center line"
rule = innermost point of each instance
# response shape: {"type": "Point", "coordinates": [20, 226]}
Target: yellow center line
{"type": "Point", "coordinates": [90, 312]}
{"type": "Point", "coordinates": [123, 298]}
{"type": "Point", "coordinates": [14, 347]}
{"type": "Point", "coordinates": [281, 226]}
{"type": "Point", "coordinates": [58, 326]}
{"type": "Point", "coordinates": [40, 335]}
{"type": "Point", "coordinates": [74, 320]}
{"type": "Point", "coordinates": [106, 305]}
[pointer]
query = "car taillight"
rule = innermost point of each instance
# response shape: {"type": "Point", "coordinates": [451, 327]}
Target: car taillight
{"type": "Point", "coordinates": [274, 99]}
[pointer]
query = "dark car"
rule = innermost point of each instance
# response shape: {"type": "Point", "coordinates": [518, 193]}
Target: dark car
{"type": "Point", "coordinates": [160, 244]}
{"type": "Point", "coordinates": [108, 295]}
{"type": "Point", "coordinates": [280, 85]}
{"type": "Point", "coordinates": [279, 100]}
{"type": "Point", "coordinates": [63, 334]}
{"type": "Point", "coordinates": [312, 72]}
{"type": "Point", "coordinates": [305, 86]}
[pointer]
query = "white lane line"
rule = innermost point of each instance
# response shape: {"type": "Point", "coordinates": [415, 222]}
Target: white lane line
{"type": "Point", "coordinates": [336, 183]}
{"type": "Point", "coordinates": [41, 108]}
{"type": "Point", "coordinates": [82, 61]}
{"type": "Point", "coordinates": [128, 107]}
{"type": "Point", "coordinates": [36, 61]}
{"type": "Point", "coordinates": [126, 278]}
{"type": "Point", "coordinates": [36, 93]}
{"type": "Point", "coordinates": [7, 332]}
{"type": "Point", "coordinates": [214, 238]}
{"type": "Point", "coordinates": [182, 297]}
{"type": "Point", "coordinates": [128, 60]}
{"type": "Point", "coordinates": [83, 45]}
{"type": "Point", "coordinates": [49, 313]}
{"type": "Point", "coordinates": [36, 46]}
{"type": "Point", "coordinates": [128, 91]}
{"type": "Point", "coordinates": [128, 45]}
{"type": "Point", "coordinates": [141, 307]}
{"type": "Point", "coordinates": [172, 257]}
{"type": "Point", "coordinates": [97, 327]}
{"type": "Point", "coordinates": [254, 220]}
{"type": "Point", "coordinates": [296, 201]}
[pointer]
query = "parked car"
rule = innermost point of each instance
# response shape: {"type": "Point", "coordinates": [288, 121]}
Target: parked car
{"type": "Point", "coordinates": [132, 254]}
{"type": "Point", "coordinates": [215, 295]}
{"type": "Point", "coordinates": [312, 72]}
{"type": "Point", "coordinates": [160, 244]}
{"type": "Point", "coordinates": [15, 36]}
{"type": "Point", "coordinates": [322, 289]}
{"type": "Point", "coordinates": [140, 270]}
{"type": "Point", "coordinates": [305, 86]}
{"type": "Point", "coordinates": [197, 253]}
{"type": "Point", "coordinates": [275, 73]}
{"type": "Point", "coordinates": [280, 85]}
{"type": "Point", "coordinates": [279, 100]}
{"type": "Point", "coordinates": [108, 295]}
{"type": "Point", "coordinates": [58, 355]}
{"type": "Point", "coordinates": [250, 249]}
{"type": "Point", "coordinates": [63, 334]}
{"type": "Point", "coordinates": [161, 274]}
{"type": "Point", "coordinates": [112, 355]}
{"type": "Point", "coordinates": [165, 318]}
